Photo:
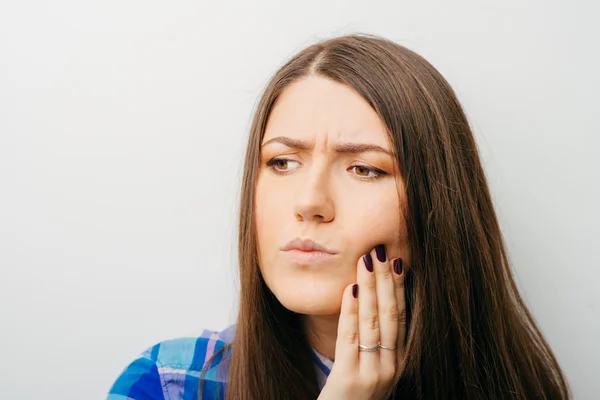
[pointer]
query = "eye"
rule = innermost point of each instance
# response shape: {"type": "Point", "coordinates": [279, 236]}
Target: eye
{"type": "Point", "coordinates": [281, 165]}
{"type": "Point", "coordinates": [366, 173]}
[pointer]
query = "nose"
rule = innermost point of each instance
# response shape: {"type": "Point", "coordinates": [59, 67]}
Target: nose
{"type": "Point", "coordinates": [314, 201]}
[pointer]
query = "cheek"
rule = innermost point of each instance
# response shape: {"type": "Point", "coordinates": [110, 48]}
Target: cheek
{"type": "Point", "coordinates": [269, 213]}
{"type": "Point", "coordinates": [268, 207]}
{"type": "Point", "coordinates": [377, 221]}
{"type": "Point", "coordinates": [262, 223]}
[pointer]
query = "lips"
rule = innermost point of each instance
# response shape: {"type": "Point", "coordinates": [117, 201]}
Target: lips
{"type": "Point", "coordinates": [306, 245]}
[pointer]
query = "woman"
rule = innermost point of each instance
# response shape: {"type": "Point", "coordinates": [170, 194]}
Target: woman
{"type": "Point", "coordinates": [361, 163]}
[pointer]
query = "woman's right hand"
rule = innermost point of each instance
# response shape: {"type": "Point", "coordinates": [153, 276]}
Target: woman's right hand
{"type": "Point", "coordinates": [373, 311]}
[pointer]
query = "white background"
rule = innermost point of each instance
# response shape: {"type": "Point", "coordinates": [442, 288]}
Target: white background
{"type": "Point", "coordinates": [122, 131]}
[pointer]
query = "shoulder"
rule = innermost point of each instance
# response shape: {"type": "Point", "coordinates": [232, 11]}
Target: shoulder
{"type": "Point", "coordinates": [170, 369]}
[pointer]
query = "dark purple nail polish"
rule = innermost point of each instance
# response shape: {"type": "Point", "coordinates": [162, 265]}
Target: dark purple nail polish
{"type": "Point", "coordinates": [397, 265]}
{"type": "Point", "coordinates": [355, 290]}
{"type": "Point", "coordinates": [380, 251]}
{"type": "Point", "coordinates": [368, 262]}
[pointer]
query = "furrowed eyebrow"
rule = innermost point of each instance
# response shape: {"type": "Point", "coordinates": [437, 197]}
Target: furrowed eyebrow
{"type": "Point", "coordinates": [338, 147]}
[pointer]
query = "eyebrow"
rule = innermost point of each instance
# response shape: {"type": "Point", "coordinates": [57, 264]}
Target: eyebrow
{"type": "Point", "coordinates": [338, 147]}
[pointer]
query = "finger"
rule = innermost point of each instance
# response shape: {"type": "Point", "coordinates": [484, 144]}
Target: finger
{"type": "Point", "coordinates": [368, 318]}
{"type": "Point", "coordinates": [346, 346]}
{"type": "Point", "coordinates": [387, 308]}
{"type": "Point", "coordinates": [399, 273]}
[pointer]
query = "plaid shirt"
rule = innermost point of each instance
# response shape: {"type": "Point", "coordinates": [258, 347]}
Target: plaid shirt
{"type": "Point", "coordinates": [170, 370]}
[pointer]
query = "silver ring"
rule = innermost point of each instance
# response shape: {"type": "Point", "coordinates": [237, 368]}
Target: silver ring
{"type": "Point", "coordinates": [372, 348]}
{"type": "Point", "coordinates": [388, 348]}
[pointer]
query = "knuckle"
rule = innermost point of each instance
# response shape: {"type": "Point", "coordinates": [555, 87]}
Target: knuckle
{"type": "Point", "coordinates": [385, 273]}
{"type": "Point", "coordinates": [371, 322]}
{"type": "Point", "coordinates": [351, 337]}
{"type": "Point", "coordinates": [393, 313]}
{"type": "Point", "coordinates": [371, 284]}
{"type": "Point", "coordinates": [402, 316]}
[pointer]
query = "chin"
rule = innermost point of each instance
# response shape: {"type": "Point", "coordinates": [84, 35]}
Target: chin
{"type": "Point", "coordinates": [312, 301]}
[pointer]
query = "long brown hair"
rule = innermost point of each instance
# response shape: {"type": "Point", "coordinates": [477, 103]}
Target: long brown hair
{"type": "Point", "coordinates": [470, 335]}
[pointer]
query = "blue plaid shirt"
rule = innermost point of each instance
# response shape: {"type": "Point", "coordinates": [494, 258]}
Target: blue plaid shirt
{"type": "Point", "coordinates": [170, 370]}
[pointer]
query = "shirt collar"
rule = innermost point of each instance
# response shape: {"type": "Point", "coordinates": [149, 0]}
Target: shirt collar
{"type": "Point", "coordinates": [323, 367]}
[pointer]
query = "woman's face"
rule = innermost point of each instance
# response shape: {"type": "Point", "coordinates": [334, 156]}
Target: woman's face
{"type": "Point", "coordinates": [326, 176]}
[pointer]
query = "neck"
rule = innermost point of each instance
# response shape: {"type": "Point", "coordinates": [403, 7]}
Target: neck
{"type": "Point", "coordinates": [321, 332]}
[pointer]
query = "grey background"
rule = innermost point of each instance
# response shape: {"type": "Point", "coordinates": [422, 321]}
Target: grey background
{"type": "Point", "coordinates": [122, 131]}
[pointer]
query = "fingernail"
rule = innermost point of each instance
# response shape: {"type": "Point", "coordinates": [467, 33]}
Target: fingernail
{"type": "Point", "coordinates": [368, 262]}
{"type": "Point", "coordinates": [380, 251]}
{"type": "Point", "coordinates": [355, 290]}
{"type": "Point", "coordinates": [397, 263]}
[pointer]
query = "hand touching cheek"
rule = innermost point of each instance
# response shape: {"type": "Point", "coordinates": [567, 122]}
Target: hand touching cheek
{"type": "Point", "coordinates": [371, 331]}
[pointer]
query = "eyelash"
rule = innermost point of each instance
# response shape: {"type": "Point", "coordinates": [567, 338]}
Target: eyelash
{"type": "Point", "coordinates": [380, 173]}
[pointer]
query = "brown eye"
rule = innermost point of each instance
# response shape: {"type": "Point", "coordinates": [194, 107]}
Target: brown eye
{"type": "Point", "coordinates": [281, 165]}
{"type": "Point", "coordinates": [366, 173]}
{"type": "Point", "coordinates": [362, 170]}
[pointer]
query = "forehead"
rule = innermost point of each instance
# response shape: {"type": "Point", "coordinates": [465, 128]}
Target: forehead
{"type": "Point", "coordinates": [315, 106]}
